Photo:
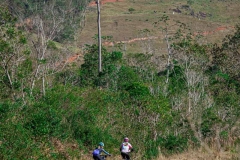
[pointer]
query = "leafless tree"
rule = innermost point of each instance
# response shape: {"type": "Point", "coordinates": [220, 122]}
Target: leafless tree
{"type": "Point", "coordinates": [49, 21]}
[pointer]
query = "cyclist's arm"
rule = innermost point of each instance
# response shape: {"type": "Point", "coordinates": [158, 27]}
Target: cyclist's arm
{"type": "Point", "coordinates": [130, 147]}
{"type": "Point", "coordinates": [121, 147]}
{"type": "Point", "coordinates": [105, 152]}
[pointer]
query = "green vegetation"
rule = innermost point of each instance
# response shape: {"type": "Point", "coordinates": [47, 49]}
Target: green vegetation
{"type": "Point", "coordinates": [61, 18]}
{"type": "Point", "coordinates": [131, 10]}
{"type": "Point", "coordinates": [64, 114]}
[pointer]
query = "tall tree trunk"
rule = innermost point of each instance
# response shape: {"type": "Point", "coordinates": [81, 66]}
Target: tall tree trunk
{"type": "Point", "coordinates": [99, 40]}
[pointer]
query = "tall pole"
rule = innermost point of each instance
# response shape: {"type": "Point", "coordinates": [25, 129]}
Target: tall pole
{"type": "Point", "coordinates": [99, 41]}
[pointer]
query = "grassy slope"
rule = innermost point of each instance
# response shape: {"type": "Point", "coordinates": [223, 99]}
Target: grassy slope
{"type": "Point", "coordinates": [118, 22]}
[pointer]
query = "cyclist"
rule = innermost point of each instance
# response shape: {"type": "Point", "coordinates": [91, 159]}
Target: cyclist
{"type": "Point", "coordinates": [125, 149]}
{"type": "Point", "coordinates": [97, 152]}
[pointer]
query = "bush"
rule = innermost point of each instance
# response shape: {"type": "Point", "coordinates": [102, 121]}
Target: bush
{"type": "Point", "coordinates": [46, 121]}
{"type": "Point", "coordinates": [131, 10]}
{"type": "Point", "coordinates": [175, 144]}
{"type": "Point", "coordinates": [89, 75]}
{"type": "Point", "coordinates": [137, 89]}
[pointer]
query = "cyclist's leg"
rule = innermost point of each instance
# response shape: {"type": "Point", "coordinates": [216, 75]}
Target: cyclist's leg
{"type": "Point", "coordinates": [123, 155]}
{"type": "Point", "coordinates": [97, 157]}
{"type": "Point", "coordinates": [127, 157]}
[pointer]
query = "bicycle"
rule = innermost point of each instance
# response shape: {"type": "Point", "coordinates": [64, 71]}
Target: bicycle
{"type": "Point", "coordinates": [104, 156]}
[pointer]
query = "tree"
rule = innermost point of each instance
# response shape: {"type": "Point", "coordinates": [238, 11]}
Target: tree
{"type": "Point", "coordinates": [167, 38]}
{"type": "Point", "coordinates": [99, 40]}
{"type": "Point", "coordinates": [48, 21]}
{"type": "Point", "coordinates": [89, 74]}
{"type": "Point", "coordinates": [61, 17]}
{"type": "Point", "coordinates": [192, 59]}
{"type": "Point", "coordinates": [227, 56]}
{"type": "Point", "coordinates": [13, 55]}
{"type": "Point", "coordinates": [224, 88]}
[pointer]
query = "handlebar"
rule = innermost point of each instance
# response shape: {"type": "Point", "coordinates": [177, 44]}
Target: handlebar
{"type": "Point", "coordinates": [104, 156]}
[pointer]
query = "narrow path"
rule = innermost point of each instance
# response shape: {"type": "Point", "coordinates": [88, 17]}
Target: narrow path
{"type": "Point", "coordinates": [93, 3]}
{"type": "Point", "coordinates": [204, 33]}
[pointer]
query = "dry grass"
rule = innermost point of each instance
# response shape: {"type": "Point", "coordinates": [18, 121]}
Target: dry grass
{"type": "Point", "coordinates": [190, 155]}
{"type": "Point", "coordinates": [195, 155]}
{"type": "Point", "coordinates": [118, 22]}
{"type": "Point", "coordinates": [64, 148]}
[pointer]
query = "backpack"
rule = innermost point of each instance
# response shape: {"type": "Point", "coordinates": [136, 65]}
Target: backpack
{"type": "Point", "coordinates": [96, 152]}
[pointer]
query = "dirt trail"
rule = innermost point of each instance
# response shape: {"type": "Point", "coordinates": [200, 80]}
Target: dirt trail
{"type": "Point", "coordinates": [93, 3]}
{"type": "Point", "coordinates": [221, 28]}
{"type": "Point", "coordinates": [204, 33]}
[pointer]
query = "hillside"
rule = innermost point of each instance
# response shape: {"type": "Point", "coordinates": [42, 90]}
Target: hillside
{"type": "Point", "coordinates": [170, 79]}
{"type": "Point", "coordinates": [214, 19]}
{"type": "Point", "coordinates": [135, 32]}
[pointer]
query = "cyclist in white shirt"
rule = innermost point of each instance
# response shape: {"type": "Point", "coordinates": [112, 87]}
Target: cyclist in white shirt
{"type": "Point", "coordinates": [125, 149]}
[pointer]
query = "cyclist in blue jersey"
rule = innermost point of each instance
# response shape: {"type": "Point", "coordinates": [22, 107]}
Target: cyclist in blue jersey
{"type": "Point", "coordinates": [97, 152]}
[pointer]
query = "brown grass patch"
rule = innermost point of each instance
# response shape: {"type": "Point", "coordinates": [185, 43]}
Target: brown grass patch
{"type": "Point", "coordinates": [118, 22]}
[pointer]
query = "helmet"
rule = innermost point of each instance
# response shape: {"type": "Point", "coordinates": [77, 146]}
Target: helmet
{"type": "Point", "coordinates": [101, 144]}
{"type": "Point", "coordinates": [126, 139]}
